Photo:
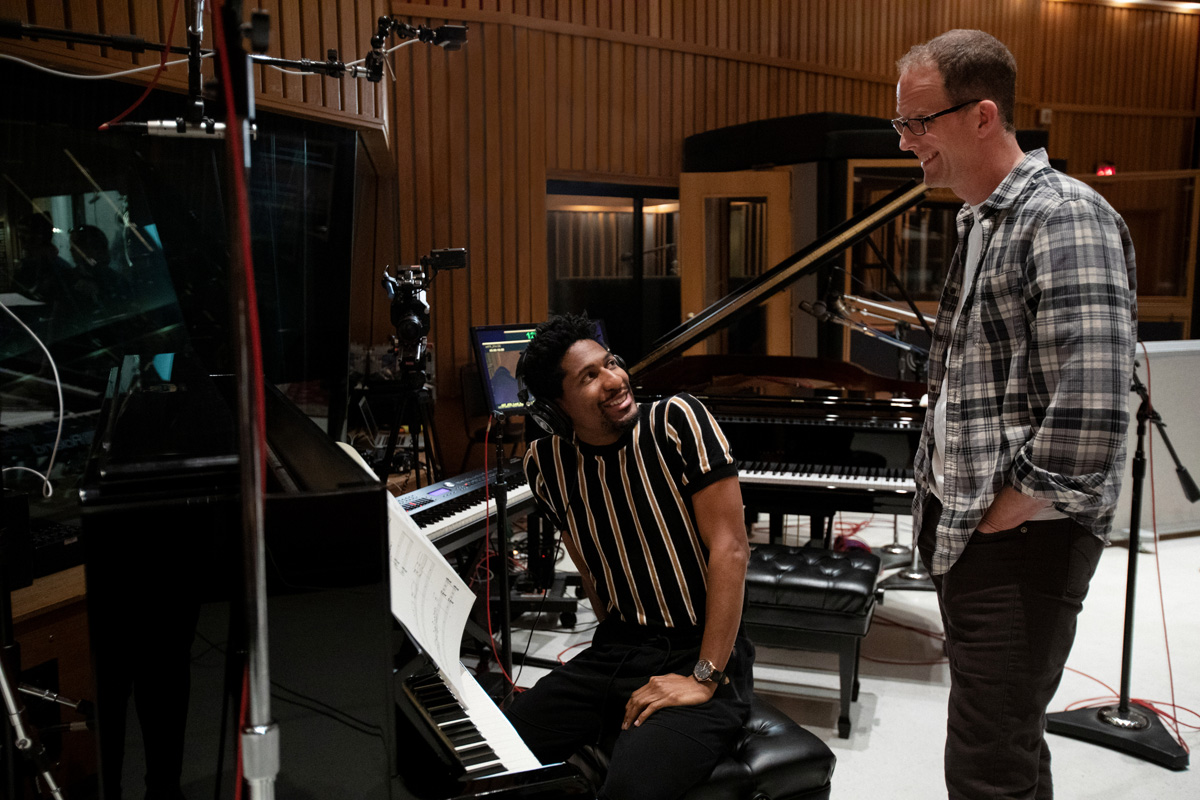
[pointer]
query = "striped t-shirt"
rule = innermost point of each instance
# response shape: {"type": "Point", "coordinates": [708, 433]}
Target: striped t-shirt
{"type": "Point", "coordinates": [627, 508]}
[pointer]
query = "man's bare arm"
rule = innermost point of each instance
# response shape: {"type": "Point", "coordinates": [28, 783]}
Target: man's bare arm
{"type": "Point", "coordinates": [722, 526]}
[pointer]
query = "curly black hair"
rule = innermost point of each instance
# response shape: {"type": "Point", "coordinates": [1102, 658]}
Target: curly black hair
{"type": "Point", "coordinates": [542, 370]}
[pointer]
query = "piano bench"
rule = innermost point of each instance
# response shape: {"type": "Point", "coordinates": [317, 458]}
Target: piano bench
{"type": "Point", "coordinates": [775, 759]}
{"type": "Point", "coordinates": [806, 598]}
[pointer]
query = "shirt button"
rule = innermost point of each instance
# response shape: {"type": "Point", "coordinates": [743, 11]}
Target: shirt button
{"type": "Point", "coordinates": [1024, 529]}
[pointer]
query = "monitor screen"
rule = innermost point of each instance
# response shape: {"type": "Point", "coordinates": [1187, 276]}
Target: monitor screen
{"type": "Point", "coordinates": [498, 348]}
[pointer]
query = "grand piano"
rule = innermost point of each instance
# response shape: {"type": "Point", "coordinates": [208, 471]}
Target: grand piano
{"type": "Point", "coordinates": [813, 436]}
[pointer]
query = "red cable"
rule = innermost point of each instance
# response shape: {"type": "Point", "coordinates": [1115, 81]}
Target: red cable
{"type": "Point", "coordinates": [241, 208]}
{"type": "Point", "coordinates": [938, 635]}
{"type": "Point", "coordinates": [1149, 705]}
{"type": "Point", "coordinates": [162, 66]}
{"type": "Point", "coordinates": [559, 657]}
{"type": "Point", "coordinates": [1094, 678]}
{"type": "Point", "coordinates": [1157, 565]}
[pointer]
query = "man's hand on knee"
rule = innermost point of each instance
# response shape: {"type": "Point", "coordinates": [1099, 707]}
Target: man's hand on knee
{"type": "Point", "coordinates": [663, 691]}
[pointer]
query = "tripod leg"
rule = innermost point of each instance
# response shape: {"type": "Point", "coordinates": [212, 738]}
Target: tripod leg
{"type": "Point", "coordinates": [433, 454]}
{"type": "Point", "coordinates": [394, 436]}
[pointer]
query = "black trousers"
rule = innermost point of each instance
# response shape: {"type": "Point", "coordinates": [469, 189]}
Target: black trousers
{"type": "Point", "coordinates": [1009, 607]}
{"type": "Point", "coordinates": [581, 701]}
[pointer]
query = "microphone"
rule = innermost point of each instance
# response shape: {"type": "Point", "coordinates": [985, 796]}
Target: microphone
{"type": "Point", "coordinates": [179, 128]}
{"type": "Point", "coordinates": [818, 310]}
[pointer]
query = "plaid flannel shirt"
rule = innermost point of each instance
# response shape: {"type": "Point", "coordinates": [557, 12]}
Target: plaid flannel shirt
{"type": "Point", "coordinates": [1040, 361]}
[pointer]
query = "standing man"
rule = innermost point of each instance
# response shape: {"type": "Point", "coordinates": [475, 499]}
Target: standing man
{"type": "Point", "coordinates": [648, 502]}
{"type": "Point", "coordinates": [1022, 453]}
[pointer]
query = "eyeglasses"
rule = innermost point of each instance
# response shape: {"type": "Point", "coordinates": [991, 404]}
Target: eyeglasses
{"type": "Point", "coordinates": [918, 126]}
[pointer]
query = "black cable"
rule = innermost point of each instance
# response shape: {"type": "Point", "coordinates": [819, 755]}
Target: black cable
{"type": "Point", "coordinates": [276, 684]}
{"type": "Point", "coordinates": [366, 727]}
{"type": "Point", "coordinates": [532, 628]}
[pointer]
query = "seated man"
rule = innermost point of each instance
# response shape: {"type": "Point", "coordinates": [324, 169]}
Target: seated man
{"type": "Point", "coordinates": [647, 499]}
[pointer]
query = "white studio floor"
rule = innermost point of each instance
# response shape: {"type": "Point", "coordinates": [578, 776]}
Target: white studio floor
{"type": "Point", "coordinates": [895, 745]}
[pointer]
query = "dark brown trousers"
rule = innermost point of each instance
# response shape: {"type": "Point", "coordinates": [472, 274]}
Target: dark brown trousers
{"type": "Point", "coordinates": [1009, 606]}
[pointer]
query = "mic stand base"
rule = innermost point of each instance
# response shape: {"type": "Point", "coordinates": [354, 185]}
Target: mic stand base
{"type": "Point", "coordinates": [915, 577]}
{"type": "Point", "coordinates": [1140, 735]}
{"type": "Point", "coordinates": [1137, 733]}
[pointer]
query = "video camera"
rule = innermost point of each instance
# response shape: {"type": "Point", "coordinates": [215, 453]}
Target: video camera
{"type": "Point", "coordinates": [410, 309]}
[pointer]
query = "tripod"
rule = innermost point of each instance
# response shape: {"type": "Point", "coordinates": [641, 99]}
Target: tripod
{"type": "Point", "coordinates": [1121, 727]}
{"type": "Point", "coordinates": [414, 397]}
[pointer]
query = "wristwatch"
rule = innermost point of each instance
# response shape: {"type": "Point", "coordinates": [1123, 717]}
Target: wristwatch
{"type": "Point", "coordinates": [705, 671]}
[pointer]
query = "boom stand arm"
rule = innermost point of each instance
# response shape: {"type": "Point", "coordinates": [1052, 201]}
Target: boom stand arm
{"type": "Point", "coordinates": [1121, 727]}
{"type": "Point", "coordinates": [21, 739]}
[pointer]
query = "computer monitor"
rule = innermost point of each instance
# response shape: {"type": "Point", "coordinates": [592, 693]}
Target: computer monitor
{"type": "Point", "coordinates": [498, 348]}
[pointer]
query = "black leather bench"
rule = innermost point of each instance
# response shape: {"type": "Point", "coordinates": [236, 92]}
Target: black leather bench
{"type": "Point", "coordinates": [811, 599]}
{"type": "Point", "coordinates": [775, 759]}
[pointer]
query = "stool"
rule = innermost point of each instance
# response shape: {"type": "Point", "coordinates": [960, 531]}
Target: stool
{"type": "Point", "coordinates": [775, 759]}
{"type": "Point", "coordinates": [810, 599]}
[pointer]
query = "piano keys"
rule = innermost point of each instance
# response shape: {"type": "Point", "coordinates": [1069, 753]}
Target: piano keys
{"type": "Point", "coordinates": [452, 739]}
{"type": "Point", "coordinates": [813, 436]}
{"type": "Point", "coordinates": [471, 726]}
{"type": "Point", "coordinates": [460, 747]}
{"type": "Point", "coordinates": [455, 512]}
{"type": "Point", "coordinates": [827, 476]}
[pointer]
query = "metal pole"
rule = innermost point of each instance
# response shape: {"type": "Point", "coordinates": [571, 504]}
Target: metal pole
{"type": "Point", "coordinates": [260, 736]}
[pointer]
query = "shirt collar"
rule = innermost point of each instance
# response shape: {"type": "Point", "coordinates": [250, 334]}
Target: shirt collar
{"type": "Point", "coordinates": [1004, 195]}
{"type": "Point", "coordinates": [1014, 183]}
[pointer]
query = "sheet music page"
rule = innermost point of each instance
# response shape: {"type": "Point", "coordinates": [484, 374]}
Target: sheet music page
{"type": "Point", "coordinates": [428, 597]}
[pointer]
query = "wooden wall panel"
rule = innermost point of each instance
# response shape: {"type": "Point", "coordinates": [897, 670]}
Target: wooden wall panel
{"type": "Point", "coordinates": [607, 90]}
{"type": "Point", "coordinates": [299, 29]}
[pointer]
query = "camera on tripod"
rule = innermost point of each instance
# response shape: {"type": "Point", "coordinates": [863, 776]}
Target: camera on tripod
{"type": "Point", "coordinates": [410, 311]}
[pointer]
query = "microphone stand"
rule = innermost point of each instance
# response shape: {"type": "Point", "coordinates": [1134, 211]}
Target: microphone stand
{"type": "Point", "coordinates": [1121, 727]}
{"type": "Point", "coordinates": [502, 547]}
{"type": "Point", "coordinates": [914, 576]}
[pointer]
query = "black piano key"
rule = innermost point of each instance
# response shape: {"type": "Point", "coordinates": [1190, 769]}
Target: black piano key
{"type": "Point", "coordinates": [467, 740]}
{"type": "Point", "coordinates": [482, 756]}
{"type": "Point", "coordinates": [449, 716]}
{"type": "Point", "coordinates": [495, 769]}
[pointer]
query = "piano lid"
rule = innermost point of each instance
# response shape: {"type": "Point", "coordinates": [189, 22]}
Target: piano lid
{"type": "Point", "coordinates": [734, 306]}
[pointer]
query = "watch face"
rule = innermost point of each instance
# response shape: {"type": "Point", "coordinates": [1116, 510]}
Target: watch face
{"type": "Point", "coordinates": [703, 670]}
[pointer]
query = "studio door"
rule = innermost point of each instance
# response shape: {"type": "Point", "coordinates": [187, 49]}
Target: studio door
{"type": "Point", "coordinates": [733, 226]}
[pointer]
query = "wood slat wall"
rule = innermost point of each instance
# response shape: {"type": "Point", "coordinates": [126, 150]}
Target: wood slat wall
{"type": "Point", "coordinates": [299, 29]}
{"type": "Point", "coordinates": [608, 89]}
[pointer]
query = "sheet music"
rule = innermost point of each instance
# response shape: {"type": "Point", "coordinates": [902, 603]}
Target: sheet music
{"type": "Point", "coordinates": [428, 597]}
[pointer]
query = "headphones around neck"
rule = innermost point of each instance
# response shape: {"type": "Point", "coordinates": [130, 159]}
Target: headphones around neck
{"type": "Point", "coordinates": [547, 413]}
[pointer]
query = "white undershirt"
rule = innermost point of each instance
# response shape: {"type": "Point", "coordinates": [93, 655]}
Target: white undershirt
{"type": "Point", "coordinates": [970, 267]}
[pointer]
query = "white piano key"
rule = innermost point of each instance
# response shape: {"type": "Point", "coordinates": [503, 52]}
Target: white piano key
{"type": "Point", "coordinates": [495, 728]}
{"type": "Point", "coordinates": [473, 514]}
{"type": "Point", "coordinates": [833, 482]}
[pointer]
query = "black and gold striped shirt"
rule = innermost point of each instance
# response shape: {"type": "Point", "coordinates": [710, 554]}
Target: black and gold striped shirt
{"type": "Point", "coordinates": [627, 508]}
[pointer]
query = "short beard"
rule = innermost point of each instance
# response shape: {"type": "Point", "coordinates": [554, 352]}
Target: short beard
{"type": "Point", "coordinates": [619, 427]}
